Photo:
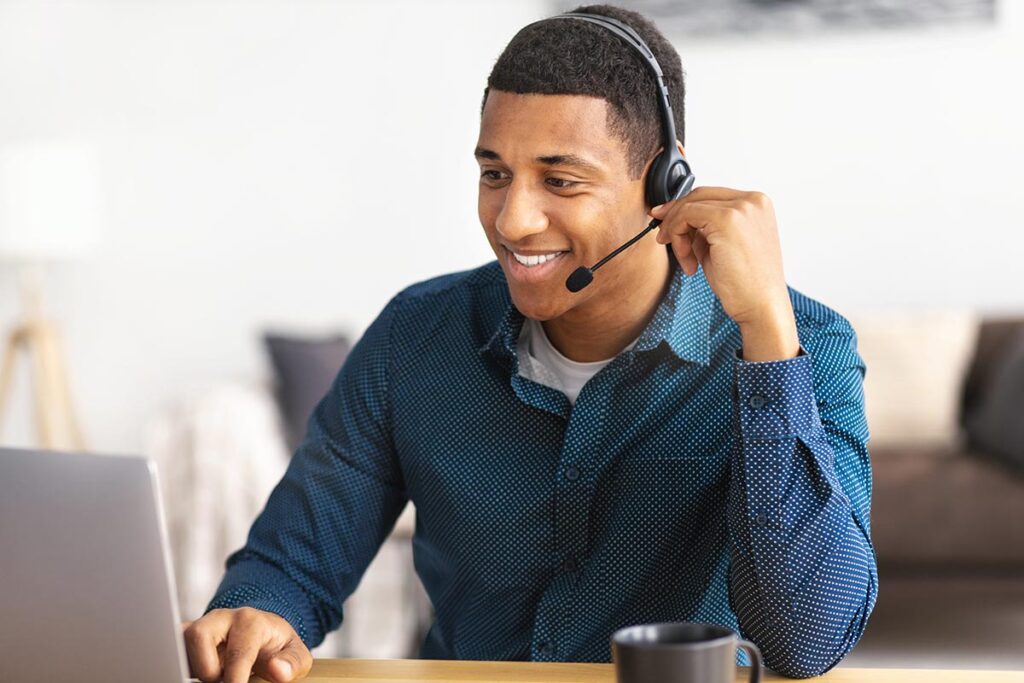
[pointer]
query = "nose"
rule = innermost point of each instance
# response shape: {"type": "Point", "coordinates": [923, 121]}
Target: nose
{"type": "Point", "coordinates": [521, 214]}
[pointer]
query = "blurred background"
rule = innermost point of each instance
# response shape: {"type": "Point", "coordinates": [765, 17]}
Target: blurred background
{"type": "Point", "coordinates": [204, 204]}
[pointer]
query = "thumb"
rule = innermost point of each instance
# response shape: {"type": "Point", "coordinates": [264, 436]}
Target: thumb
{"type": "Point", "coordinates": [281, 669]}
{"type": "Point", "coordinates": [291, 663]}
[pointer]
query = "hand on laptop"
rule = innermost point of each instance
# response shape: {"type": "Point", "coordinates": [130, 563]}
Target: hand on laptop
{"type": "Point", "coordinates": [233, 643]}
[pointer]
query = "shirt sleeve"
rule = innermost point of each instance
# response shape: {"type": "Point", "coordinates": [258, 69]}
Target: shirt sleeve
{"type": "Point", "coordinates": [336, 503]}
{"type": "Point", "coordinates": [803, 577]}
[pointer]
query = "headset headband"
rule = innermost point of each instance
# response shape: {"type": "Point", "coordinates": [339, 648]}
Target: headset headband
{"type": "Point", "coordinates": [633, 39]}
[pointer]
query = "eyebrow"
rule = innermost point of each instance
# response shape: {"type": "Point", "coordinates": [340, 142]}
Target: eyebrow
{"type": "Point", "coordinates": [550, 159]}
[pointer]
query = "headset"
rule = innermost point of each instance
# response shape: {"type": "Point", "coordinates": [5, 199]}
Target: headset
{"type": "Point", "coordinates": [669, 177]}
{"type": "Point", "coordinates": [669, 167]}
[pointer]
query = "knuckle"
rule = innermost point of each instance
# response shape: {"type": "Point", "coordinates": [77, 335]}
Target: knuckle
{"type": "Point", "coordinates": [206, 672]}
{"type": "Point", "coordinates": [760, 201]}
{"type": "Point", "coordinates": [194, 635]}
{"type": "Point", "coordinates": [234, 653]}
{"type": "Point", "coordinates": [245, 615]}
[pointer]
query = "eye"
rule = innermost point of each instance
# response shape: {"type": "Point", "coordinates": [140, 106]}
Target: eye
{"type": "Point", "coordinates": [492, 175]}
{"type": "Point", "coordinates": [561, 183]}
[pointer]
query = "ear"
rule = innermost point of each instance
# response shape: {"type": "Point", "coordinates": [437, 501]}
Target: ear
{"type": "Point", "coordinates": [681, 150]}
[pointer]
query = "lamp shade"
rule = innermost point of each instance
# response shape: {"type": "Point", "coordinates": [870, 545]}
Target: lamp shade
{"type": "Point", "coordinates": [49, 200]}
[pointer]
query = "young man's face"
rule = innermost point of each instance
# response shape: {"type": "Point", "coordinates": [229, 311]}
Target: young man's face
{"type": "Point", "coordinates": [554, 181]}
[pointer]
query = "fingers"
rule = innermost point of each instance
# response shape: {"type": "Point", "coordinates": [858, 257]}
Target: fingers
{"type": "Point", "coordinates": [690, 248]}
{"type": "Point", "coordinates": [700, 248]}
{"type": "Point", "coordinates": [202, 638]}
{"type": "Point", "coordinates": [246, 639]}
{"type": "Point", "coordinates": [682, 247]}
{"type": "Point", "coordinates": [229, 644]}
{"type": "Point", "coordinates": [707, 217]}
{"type": "Point", "coordinates": [289, 663]}
{"type": "Point", "coordinates": [710, 209]}
{"type": "Point", "coordinates": [709, 193]}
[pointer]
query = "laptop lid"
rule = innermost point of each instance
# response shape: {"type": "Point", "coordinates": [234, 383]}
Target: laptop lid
{"type": "Point", "coordinates": [86, 585]}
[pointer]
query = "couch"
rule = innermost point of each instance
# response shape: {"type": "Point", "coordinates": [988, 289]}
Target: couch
{"type": "Point", "coordinates": [948, 528]}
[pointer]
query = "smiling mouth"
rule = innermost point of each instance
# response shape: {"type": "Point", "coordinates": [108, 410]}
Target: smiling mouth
{"type": "Point", "coordinates": [533, 269]}
{"type": "Point", "coordinates": [536, 259]}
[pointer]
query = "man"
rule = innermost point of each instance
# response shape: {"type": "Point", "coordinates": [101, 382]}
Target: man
{"type": "Point", "coordinates": [683, 440]}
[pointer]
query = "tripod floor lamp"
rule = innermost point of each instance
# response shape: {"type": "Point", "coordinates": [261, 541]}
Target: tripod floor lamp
{"type": "Point", "coordinates": [48, 211]}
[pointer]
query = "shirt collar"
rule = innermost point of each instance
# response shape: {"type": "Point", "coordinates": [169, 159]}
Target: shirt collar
{"type": "Point", "coordinates": [681, 321]}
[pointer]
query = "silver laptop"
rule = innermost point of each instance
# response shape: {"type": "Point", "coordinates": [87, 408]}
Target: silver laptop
{"type": "Point", "coordinates": [86, 585]}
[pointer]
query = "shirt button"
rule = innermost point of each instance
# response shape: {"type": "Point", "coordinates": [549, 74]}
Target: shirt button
{"type": "Point", "coordinates": [570, 566]}
{"type": "Point", "coordinates": [572, 473]}
{"type": "Point", "coordinates": [761, 519]}
{"type": "Point", "coordinates": [756, 401]}
{"type": "Point", "coordinates": [546, 648]}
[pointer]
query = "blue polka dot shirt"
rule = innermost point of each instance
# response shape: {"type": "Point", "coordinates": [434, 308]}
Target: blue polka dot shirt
{"type": "Point", "coordinates": [685, 484]}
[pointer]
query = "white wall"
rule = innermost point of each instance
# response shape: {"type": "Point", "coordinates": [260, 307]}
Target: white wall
{"type": "Point", "coordinates": [893, 158]}
{"type": "Point", "coordinates": [296, 163]}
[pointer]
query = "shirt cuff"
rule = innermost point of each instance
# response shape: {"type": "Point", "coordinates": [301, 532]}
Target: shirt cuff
{"type": "Point", "coordinates": [774, 399]}
{"type": "Point", "coordinates": [251, 583]}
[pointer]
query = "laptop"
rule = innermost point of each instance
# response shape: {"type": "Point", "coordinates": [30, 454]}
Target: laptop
{"type": "Point", "coordinates": [86, 585]}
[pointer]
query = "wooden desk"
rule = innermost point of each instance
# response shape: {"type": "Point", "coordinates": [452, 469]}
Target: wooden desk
{"type": "Point", "coordinates": [406, 670]}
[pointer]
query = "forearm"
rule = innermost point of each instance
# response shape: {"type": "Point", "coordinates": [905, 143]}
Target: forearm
{"type": "Point", "coordinates": [337, 502]}
{"type": "Point", "coordinates": [803, 577]}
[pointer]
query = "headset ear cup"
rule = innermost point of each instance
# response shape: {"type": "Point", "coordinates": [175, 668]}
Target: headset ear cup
{"type": "Point", "coordinates": [682, 179]}
{"type": "Point", "coordinates": [666, 177]}
{"type": "Point", "coordinates": [656, 190]}
{"type": "Point", "coordinates": [667, 172]}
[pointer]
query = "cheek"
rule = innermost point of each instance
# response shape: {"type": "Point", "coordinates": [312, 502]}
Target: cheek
{"type": "Point", "coordinates": [594, 227]}
{"type": "Point", "coordinates": [488, 206]}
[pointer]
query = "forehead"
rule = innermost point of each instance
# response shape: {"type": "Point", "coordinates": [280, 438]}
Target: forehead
{"type": "Point", "coordinates": [532, 124]}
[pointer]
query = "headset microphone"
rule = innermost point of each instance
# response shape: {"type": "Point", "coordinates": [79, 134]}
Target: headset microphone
{"type": "Point", "coordinates": [583, 276]}
{"type": "Point", "coordinates": [669, 177]}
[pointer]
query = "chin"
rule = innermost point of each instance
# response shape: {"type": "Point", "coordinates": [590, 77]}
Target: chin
{"type": "Point", "coordinates": [539, 307]}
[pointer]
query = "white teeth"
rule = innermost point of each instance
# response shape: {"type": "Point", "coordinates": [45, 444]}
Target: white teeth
{"type": "Point", "coordinates": [530, 261]}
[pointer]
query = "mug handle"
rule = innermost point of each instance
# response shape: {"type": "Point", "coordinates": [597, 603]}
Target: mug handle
{"type": "Point", "coordinates": [755, 658]}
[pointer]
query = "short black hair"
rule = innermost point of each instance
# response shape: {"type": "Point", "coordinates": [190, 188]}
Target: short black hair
{"type": "Point", "coordinates": [580, 58]}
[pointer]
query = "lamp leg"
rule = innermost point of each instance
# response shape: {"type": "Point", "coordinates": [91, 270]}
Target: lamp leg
{"type": "Point", "coordinates": [61, 407]}
{"type": "Point", "coordinates": [56, 422]}
{"type": "Point", "coordinates": [14, 340]}
{"type": "Point", "coordinates": [46, 426]}
{"type": "Point", "coordinates": [58, 426]}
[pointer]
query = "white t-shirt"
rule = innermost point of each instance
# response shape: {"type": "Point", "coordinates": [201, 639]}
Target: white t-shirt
{"type": "Point", "coordinates": [541, 362]}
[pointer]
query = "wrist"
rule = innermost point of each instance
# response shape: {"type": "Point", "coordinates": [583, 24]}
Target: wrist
{"type": "Point", "coordinates": [772, 336]}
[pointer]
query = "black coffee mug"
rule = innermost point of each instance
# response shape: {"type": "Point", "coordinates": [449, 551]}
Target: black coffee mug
{"type": "Point", "coordinates": [680, 653]}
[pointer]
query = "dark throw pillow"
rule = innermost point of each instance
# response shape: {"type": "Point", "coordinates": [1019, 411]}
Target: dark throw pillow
{"type": "Point", "coordinates": [304, 368]}
{"type": "Point", "coordinates": [996, 424]}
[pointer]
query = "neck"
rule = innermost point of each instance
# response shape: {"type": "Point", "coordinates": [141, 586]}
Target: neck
{"type": "Point", "coordinates": [617, 316]}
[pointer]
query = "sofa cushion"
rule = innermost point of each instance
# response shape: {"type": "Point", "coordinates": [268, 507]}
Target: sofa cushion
{"type": "Point", "coordinates": [943, 508]}
{"type": "Point", "coordinates": [996, 424]}
{"type": "Point", "coordinates": [916, 362]}
{"type": "Point", "coordinates": [304, 368]}
{"type": "Point", "coordinates": [995, 335]}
